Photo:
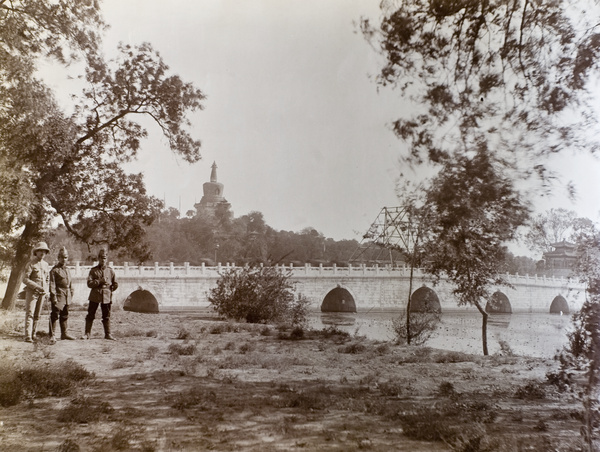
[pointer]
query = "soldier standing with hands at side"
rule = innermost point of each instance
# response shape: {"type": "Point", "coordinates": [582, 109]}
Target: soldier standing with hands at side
{"type": "Point", "coordinates": [36, 288]}
{"type": "Point", "coordinates": [102, 283]}
{"type": "Point", "coordinates": [61, 294]}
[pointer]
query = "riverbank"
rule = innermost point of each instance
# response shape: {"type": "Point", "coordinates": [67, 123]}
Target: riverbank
{"type": "Point", "coordinates": [205, 384]}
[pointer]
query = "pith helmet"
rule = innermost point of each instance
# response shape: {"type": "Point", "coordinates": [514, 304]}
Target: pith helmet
{"type": "Point", "coordinates": [41, 246]}
{"type": "Point", "coordinates": [63, 252]}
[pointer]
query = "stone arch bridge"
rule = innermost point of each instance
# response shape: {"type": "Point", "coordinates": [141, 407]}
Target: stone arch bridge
{"type": "Point", "coordinates": [354, 288]}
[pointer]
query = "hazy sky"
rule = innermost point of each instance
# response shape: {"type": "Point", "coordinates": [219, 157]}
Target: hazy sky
{"type": "Point", "coordinates": [292, 117]}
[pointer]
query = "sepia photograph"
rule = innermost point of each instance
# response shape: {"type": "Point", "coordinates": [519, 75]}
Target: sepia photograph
{"type": "Point", "coordinates": [312, 225]}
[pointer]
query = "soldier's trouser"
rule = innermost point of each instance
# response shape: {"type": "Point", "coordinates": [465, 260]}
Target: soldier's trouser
{"type": "Point", "coordinates": [93, 307]}
{"type": "Point", "coordinates": [56, 314]}
{"type": "Point", "coordinates": [62, 314]}
{"type": "Point", "coordinates": [33, 309]}
{"type": "Point", "coordinates": [89, 318]}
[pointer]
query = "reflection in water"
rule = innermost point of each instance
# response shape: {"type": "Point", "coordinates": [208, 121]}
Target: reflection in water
{"type": "Point", "coordinates": [338, 318]}
{"type": "Point", "coordinates": [499, 320]}
{"type": "Point", "coordinates": [536, 334]}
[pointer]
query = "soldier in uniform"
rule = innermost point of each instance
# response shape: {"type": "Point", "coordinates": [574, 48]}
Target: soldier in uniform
{"type": "Point", "coordinates": [102, 283]}
{"type": "Point", "coordinates": [36, 288]}
{"type": "Point", "coordinates": [61, 294]}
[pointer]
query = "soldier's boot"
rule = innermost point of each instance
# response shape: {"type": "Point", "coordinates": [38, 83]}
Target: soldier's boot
{"type": "Point", "coordinates": [34, 329]}
{"type": "Point", "coordinates": [28, 337]}
{"type": "Point", "coordinates": [64, 335]}
{"type": "Point", "coordinates": [51, 331]}
{"type": "Point", "coordinates": [88, 329]}
{"type": "Point", "coordinates": [107, 334]}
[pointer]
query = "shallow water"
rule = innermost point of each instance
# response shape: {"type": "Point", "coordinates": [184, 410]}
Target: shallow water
{"type": "Point", "coordinates": [538, 334]}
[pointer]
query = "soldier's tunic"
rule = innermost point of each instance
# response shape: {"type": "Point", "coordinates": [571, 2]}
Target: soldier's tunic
{"type": "Point", "coordinates": [36, 287]}
{"type": "Point", "coordinates": [61, 292]}
{"type": "Point", "coordinates": [102, 283]}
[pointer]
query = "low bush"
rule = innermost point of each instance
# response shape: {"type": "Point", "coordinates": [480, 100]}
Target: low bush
{"type": "Point", "coordinates": [353, 348]}
{"type": "Point", "coordinates": [69, 445]}
{"type": "Point", "coordinates": [531, 391]}
{"type": "Point", "coordinates": [83, 410]}
{"type": "Point", "coordinates": [391, 389]}
{"type": "Point", "coordinates": [314, 398]}
{"type": "Point", "coordinates": [42, 381]}
{"type": "Point", "coordinates": [182, 349]}
{"type": "Point", "coordinates": [422, 326]}
{"type": "Point", "coordinates": [195, 397]}
{"type": "Point", "coordinates": [446, 389]}
{"type": "Point", "coordinates": [183, 334]}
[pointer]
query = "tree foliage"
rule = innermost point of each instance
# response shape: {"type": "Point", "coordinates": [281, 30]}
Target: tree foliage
{"type": "Point", "coordinates": [513, 74]}
{"type": "Point", "coordinates": [257, 294]}
{"type": "Point", "coordinates": [71, 165]}
{"type": "Point", "coordinates": [474, 211]}
{"type": "Point", "coordinates": [556, 225]}
{"type": "Point", "coordinates": [581, 355]}
{"type": "Point", "coordinates": [247, 239]}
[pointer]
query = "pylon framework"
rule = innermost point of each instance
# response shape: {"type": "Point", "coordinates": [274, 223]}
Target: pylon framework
{"type": "Point", "coordinates": [392, 234]}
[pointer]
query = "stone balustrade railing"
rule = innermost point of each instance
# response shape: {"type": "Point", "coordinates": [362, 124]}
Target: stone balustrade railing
{"type": "Point", "coordinates": [186, 270]}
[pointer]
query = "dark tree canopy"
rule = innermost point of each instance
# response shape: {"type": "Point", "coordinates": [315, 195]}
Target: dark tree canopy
{"type": "Point", "coordinates": [71, 165]}
{"type": "Point", "coordinates": [474, 210]}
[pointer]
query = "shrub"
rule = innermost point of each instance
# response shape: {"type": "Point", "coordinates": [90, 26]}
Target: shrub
{"type": "Point", "coordinates": [83, 410]}
{"type": "Point", "coordinates": [446, 389]}
{"type": "Point", "coordinates": [180, 349]}
{"type": "Point", "coordinates": [194, 397]}
{"type": "Point", "coordinates": [68, 445]}
{"type": "Point", "coordinates": [183, 333]}
{"type": "Point", "coordinates": [422, 326]}
{"type": "Point", "coordinates": [352, 348]}
{"type": "Point", "coordinates": [532, 390]}
{"type": "Point", "coordinates": [258, 295]}
{"type": "Point", "coordinates": [35, 382]}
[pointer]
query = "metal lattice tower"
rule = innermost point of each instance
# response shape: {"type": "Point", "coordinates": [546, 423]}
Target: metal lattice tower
{"type": "Point", "coordinates": [391, 231]}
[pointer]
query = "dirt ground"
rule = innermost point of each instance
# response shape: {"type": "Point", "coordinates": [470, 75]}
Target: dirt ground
{"type": "Point", "coordinates": [172, 383]}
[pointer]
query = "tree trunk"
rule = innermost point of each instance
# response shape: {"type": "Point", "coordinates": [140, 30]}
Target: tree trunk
{"type": "Point", "coordinates": [30, 234]}
{"type": "Point", "coordinates": [484, 319]}
{"type": "Point", "coordinates": [410, 281]}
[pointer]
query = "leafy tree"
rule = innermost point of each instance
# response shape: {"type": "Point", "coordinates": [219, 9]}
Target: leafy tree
{"type": "Point", "coordinates": [513, 74]}
{"type": "Point", "coordinates": [71, 165]}
{"type": "Point", "coordinates": [473, 211]}
{"type": "Point", "coordinates": [549, 227]}
{"type": "Point", "coordinates": [257, 295]}
{"type": "Point", "coordinates": [521, 265]}
{"type": "Point", "coordinates": [415, 234]}
{"type": "Point", "coordinates": [581, 355]}
{"type": "Point", "coordinates": [29, 30]}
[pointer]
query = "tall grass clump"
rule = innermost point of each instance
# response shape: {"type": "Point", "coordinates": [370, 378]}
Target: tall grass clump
{"type": "Point", "coordinates": [47, 380]}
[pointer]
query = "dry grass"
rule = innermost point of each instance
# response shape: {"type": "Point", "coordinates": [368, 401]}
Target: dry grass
{"type": "Point", "coordinates": [213, 385]}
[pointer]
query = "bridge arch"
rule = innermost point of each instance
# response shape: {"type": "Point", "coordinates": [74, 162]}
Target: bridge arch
{"type": "Point", "coordinates": [559, 305]}
{"type": "Point", "coordinates": [141, 300]}
{"type": "Point", "coordinates": [338, 299]}
{"type": "Point", "coordinates": [424, 299]}
{"type": "Point", "coordinates": [498, 304]}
